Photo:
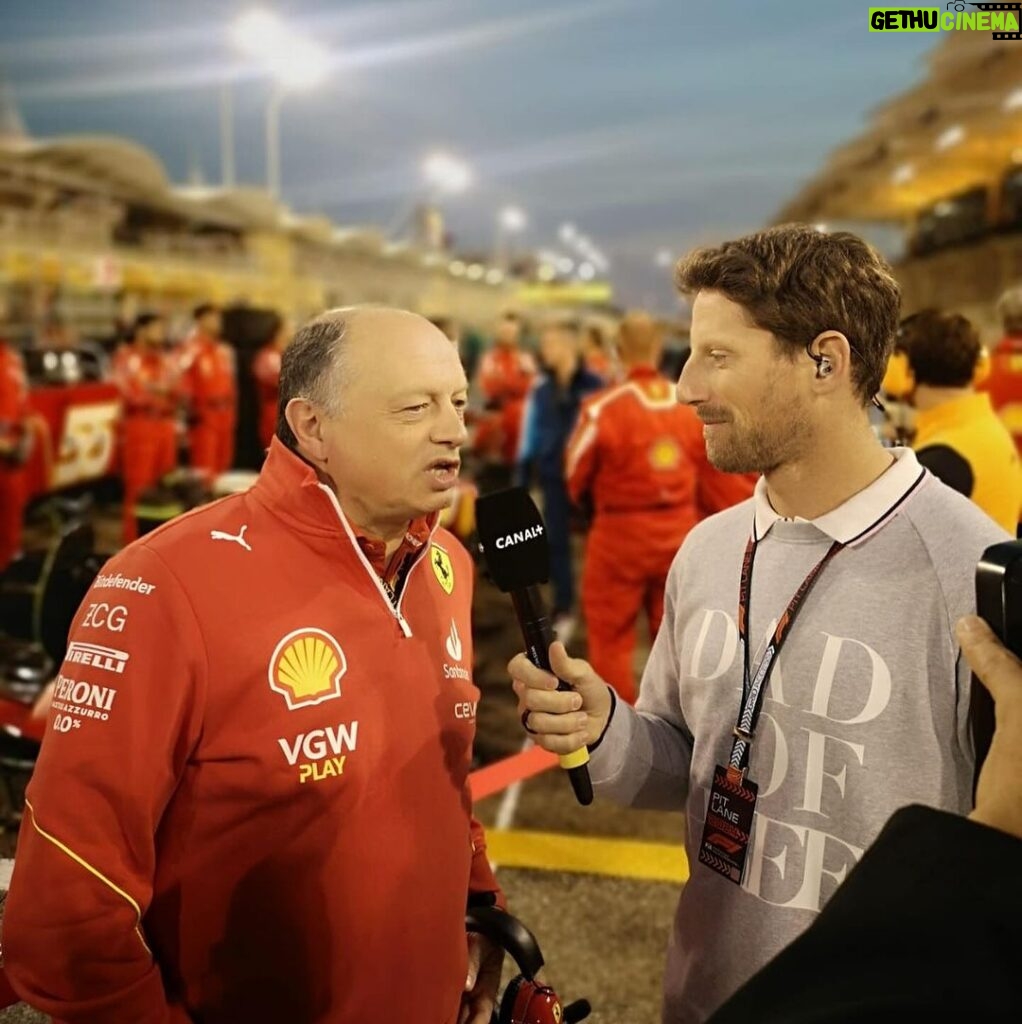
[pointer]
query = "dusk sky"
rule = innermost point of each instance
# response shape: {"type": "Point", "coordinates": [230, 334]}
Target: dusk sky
{"type": "Point", "coordinates": [650, 125]}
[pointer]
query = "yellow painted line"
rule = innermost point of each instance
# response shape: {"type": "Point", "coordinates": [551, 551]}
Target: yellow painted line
{"type": "Point", "coordinates": [619, 858]}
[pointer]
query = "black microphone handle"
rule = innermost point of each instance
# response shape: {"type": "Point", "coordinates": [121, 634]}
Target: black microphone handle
{"type": "Point", "coordinates": [538, 633]}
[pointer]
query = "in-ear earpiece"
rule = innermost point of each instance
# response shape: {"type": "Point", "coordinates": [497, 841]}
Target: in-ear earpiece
{"type": "Point", "coordinates": [824, 367]}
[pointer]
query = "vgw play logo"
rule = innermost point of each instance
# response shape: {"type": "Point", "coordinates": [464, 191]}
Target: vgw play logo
{"type": "Point", "coordinates": [1001, 20]}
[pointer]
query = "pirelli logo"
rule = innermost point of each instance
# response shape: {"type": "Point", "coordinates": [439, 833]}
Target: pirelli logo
{"type": "Point", "coordinates": [106, 658]}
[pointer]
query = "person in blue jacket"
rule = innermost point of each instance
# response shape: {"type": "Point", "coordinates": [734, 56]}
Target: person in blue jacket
{"type": "Point", "coordinates": [551, 410]}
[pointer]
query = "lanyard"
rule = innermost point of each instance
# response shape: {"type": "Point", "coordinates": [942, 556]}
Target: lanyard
{"type": "Point", "coordinates": [754, 685]}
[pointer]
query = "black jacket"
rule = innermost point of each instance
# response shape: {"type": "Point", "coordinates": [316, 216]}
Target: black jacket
{"type": "Point", "coordinates": [928, 926]}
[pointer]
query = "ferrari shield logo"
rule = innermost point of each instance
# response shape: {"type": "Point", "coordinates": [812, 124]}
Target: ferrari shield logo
{"type": "Point", "coordinates": [442, 568]}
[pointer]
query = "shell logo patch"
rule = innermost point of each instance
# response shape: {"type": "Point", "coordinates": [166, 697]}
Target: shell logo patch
{"type": "Point", "coordinates": [442, 568]}
{"type": "Point", "coordinates": [665, 454]}
{"type": "Point", "coordinates": [306, 668]}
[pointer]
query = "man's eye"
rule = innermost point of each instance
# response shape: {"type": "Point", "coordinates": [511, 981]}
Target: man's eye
{"type": "Point", "coordinates": [416, 408]}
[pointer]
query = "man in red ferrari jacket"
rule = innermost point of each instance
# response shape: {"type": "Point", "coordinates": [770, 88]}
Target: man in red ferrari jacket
{"type": "Point", "coordinates": [251, 804]}
{"type": "Point", "coordinates": [639, 456]}
{"type": "Point", "coordinates": [151, 392]}
{"type": "Point", "coordinates": [1005, 380]}
{"type": "Point", "coordinates": [14, 449]}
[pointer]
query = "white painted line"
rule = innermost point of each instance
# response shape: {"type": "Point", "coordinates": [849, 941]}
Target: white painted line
{"type": "Point", "coordinates": [509, 801]}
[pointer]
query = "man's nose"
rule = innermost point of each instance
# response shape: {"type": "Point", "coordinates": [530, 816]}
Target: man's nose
{"type": "Point", "coordinates": [690, 389]}
{"type": "Point", "coordinates": [451, 428]}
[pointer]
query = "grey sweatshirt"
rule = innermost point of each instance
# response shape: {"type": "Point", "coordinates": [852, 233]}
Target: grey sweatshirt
{"type": "Point", "coordinates": [866, 708]}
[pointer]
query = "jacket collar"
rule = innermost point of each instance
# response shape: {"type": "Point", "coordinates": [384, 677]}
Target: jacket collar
{"type": "Point", "coordinates": [290, 487]}
{"type": "Point", "coordinates": [861, 513]}
{"type": "Point", "coordinates": [643, 371]}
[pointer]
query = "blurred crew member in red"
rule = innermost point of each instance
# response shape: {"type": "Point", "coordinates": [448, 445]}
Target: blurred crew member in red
{"type": "Point", "coordinates": [15, 441]}
{"type": "Point", "coordinates": [251, 805]}
{"type": "Point", "coordinates": [266, 371]}
{"type": "Point", "coordinates": [147, 376]}
{"type": "Point", "coordinates": [505, 375]}
{"type": "Point", "coordinates": [1005, 381]}
{"type": "Point", "coordinates": [640, 458]}
{"type": "Point", "coordinates": [210, 383]}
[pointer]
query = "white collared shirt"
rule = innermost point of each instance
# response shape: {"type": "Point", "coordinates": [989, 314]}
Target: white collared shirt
{"type": "Point", "coordinates": [862, 512]}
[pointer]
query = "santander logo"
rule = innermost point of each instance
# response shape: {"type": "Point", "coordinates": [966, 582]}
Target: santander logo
{"type": "Point", "coordinates": [453, 644]}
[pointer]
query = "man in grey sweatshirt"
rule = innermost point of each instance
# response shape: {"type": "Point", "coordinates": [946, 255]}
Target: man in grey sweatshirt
{"type": "Point", "coordinates": [806, 681]}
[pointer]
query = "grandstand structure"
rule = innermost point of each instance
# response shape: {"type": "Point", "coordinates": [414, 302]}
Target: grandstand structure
{"type": "Point", "coordinates": [90, 225]}
{"type": "Point", "coordinates": [942, 161]}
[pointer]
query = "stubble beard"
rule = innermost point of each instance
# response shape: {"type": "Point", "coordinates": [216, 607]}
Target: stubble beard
{"type": "Point", "coordinates": [760, 448]}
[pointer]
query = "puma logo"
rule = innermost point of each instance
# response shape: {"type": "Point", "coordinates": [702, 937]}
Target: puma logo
{"type": "Point", "coordinates": [238, 538]}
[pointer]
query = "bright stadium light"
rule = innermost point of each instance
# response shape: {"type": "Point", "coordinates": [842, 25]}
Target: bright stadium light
{"type": "Point", "coordinates": [512, 218]}
{"type": "Point", "coordinates": [293, 60]}
{"type": "Point", "coordinates": [1013, 101]}
{"type": "Point", "coordinates": [567, 233]}
{"type": "Point", "coordinates": [664, 258]}
{"type": "Point", "coordinates": [587, 271]}
{"type": "Point", "coordinates": [257, 31]}
{"type": "Point", "coordinates": [446, 172]}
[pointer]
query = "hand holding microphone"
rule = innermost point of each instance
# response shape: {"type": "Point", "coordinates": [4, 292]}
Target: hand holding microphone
{"type": "Point", "coordinates": [561, 720]}
{"type": "Point", "coordinates": [513, 541]}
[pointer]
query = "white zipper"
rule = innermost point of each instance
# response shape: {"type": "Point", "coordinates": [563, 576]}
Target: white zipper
{"type": "Point", "coordinates": [373, 575]}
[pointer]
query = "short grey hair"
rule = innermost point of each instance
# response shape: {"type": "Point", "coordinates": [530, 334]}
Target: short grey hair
{"type": "Point", "coordinates": [310, 367]}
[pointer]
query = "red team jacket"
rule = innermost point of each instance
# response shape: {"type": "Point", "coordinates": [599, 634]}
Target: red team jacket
{"type": "Point", "coordinates": [266, 373]}
{"type": "Point", "coordinates": [636, 449]}
{"type": "Point", "coordinates": [1005, 385]}
{"type": "Point", "coordinates": [505, 376]}
{"type": "Point", "coordinates": [13, 397]}
{"type": "Point", "coordinates": [207, 373]}
{"type": "Point", "coordinates": [251, 804]}
{"type": "Point", "coordinates": [149, 380]}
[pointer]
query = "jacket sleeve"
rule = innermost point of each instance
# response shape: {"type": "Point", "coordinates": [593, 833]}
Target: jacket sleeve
{"type": "Point", "coordinates": [125, 718]}
{"type": "Point", "coordinates": [644, 757]}
{"type": "Point", "coordinates": [526, 442]}
{"type": "Point", "coordinates": [13, 397]}
{"type": "Point", "coordinates": [489, 379]}
{"type": "Point", "coordinates": [482, 880]}
{"type": "Point", "coordinates": [920, 930]}
{"type": "Point", "coordinates": [581, 455]}
{"type": "Point", "coordinates": [135, 390]}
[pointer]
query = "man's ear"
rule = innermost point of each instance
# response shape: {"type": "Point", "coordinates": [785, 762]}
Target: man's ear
{"type": "Point", "coordinates": [833, 357]}
{"type": "Point", "coordinates": [306, 423]}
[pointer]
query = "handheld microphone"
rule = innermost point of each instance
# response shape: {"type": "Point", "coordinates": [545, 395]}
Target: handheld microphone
{"type": "Point", "coordinates": [513, 541]}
